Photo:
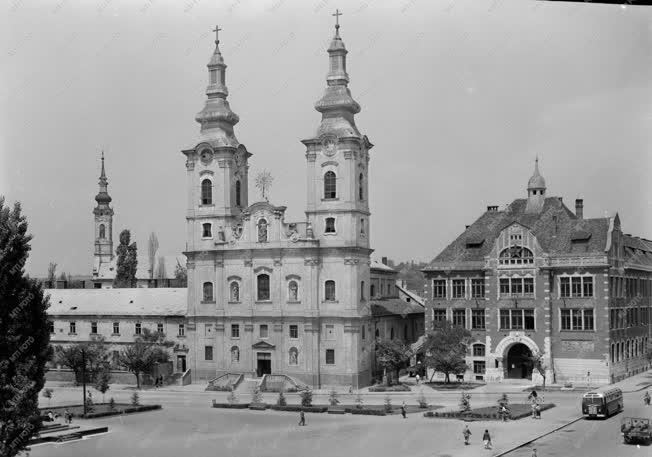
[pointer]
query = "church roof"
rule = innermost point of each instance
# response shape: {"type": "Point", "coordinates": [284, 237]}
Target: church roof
{"type": "Point", "coordinates": [114, 302]}
{"type": "Point", "coordinates": [555, 227]}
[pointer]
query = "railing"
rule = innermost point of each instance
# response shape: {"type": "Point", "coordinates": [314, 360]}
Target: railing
{"type": "Point", "coordinates": [185, 378]}
{"type": "Point", "coordinates": [278, 382]}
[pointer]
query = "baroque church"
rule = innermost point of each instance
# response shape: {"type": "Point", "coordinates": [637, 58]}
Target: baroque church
{"type": "Point", "coordinates": [266, 295]}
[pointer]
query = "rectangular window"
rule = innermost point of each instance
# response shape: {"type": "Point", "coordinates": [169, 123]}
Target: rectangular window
{"type": "Point", "coordinates": [587, 286]}
{"type": "Point", "coordinates": [73, 327]}
{"type": "Point", "coordinates": [564, 287]}
{"type": "Point", "coordinates": [51, 326]}
{"type": "Point", "coordinates": [206, 230]}
{"type": "Point", "coordinates": [294, 331]}
{"type": "Point", "coordinates": [330, 332]}
{"type": "Point", "coordinates": [459, 317]}
{"type": "Point", "coordinates": [588, 319]}
{"type": "Point", "coordinates": [516, 319]}
{"type": "Point", "coordinates": [477, 288]}
{"type": "Point", "coordinates": [97, 285]}
{"type": "Point", "coordinates": [438, 315]}
{"type": "Point", "coordinates": [528, 319]}
{"type": "Point", "coordinates": [329, 290]}
{"type": "Point", "coordinates": [576, 286]}
{"type": "Point", "coordinates": [213, 74]}
{"type": "Point", "coordinates": [579, 319]}
{"type": "Point", "coordinates": [264, 331]}
{"type": "Point", "coordinates": [479, 366]}
{"type": "Point", "coordinates": [439, 288]}
{"type": "Point", "coordinates": [504, 286]}
{"type": "Point", "coordinates": [459, 289]}
{"type": "Point", "coordinates": [565, 319]}
{"type": "Point", "coordinates": [478, 350]}
{"type": "Point", "coordinates": [139, 328]}
{"type": "Point", "coordinates": [159, 327]}
{"type": "Point", "coordinates": [516, 286]}
{"type": "Point", "coordinates": [116, 328]}
{"type": "Point", "coordinates": [182, 330]}
{"type": "Point", "coordinates": [528, 286]}
{"type": "Point", "coordinates": [208, 352]}
{"type": "Point", "coordinates": [235, 331]}
{"type": "Point", "coordinates": [504, 319]}
{"type": "Point", "coordinates": [330, 225]}
{"type": "Point", "coordinates": [363, 331]}
{"type": "Point", "coordinates": [93, 328]}
{"type": "Point", "coordinates": [478, 319]}
{"type": "Point", "coordinates": [330, 356]}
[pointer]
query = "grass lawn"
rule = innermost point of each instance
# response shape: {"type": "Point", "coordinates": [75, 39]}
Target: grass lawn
{"type": "Point", "coordinates": [396, 409]}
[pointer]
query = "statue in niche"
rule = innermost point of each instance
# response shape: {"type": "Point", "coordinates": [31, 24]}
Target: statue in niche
{"type": "Point", "coordinates": [237, 231]}
{"type": "Point", "coordinates": [235, 291]}
{"type": "Point", "coordinates": [293, 356]}
{"type": "Point", "coordinates": [235, 354]}
{"type": "Point", "coordinates": [294, 291]}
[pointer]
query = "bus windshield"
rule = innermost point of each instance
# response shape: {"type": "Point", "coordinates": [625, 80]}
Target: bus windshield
{"type": "Point", "coordinates": [593, 400]}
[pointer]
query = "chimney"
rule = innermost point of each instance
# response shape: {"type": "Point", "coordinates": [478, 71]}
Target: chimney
{"type": "Point", "coordinates": [579, 208]}
{"type": "Point", "coordinates": [492, 209]}
{"type": "Point", "coordinates": [384, 260]}
{"type": "Point", "coordinates": [467, 227]}
{"type": "Point", "coordinates": [561, 199]}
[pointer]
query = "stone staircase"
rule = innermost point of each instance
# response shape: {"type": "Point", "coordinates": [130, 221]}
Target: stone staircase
{"type": "Point", "coordinates": [225, 382]}
{"type": "Point", "coordinates": [247, 385]}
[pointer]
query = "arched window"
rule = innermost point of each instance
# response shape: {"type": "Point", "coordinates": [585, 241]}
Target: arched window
{"type": "Point", "coordinates": [293, 356]}
{"type": "Point", "coordinates": [330, 225]}
{"type": "Point", "coordinates": [391, 333]}
{"type": "Point", "coordinates": [362, 229]}
{"type": "Point", "coordinates": [206, 192]}
{"type": "Point", "coordinates": [293, 291]}
{"type": "Point", "coordinates": [235, 354]}
{"type": "Point", "coordinates": [237, 193]}
{"type": "Point", "coordinates": [207, 231]}
{"type": "Point", "coordinates": [329, 290]}
{"type": "Point", "coordinates": [361, 187]}
{"type": "Point", "coordinates": [263, 286]}
{"type": "Point", "coordinates": [613, 352]}
{"type": "Point", "coordinates": [516, 255]}
{"type": "Point", "coordinates": [234, 291]}
{"type": "Point", "coordinates": [361, 290]}
{"type": "Point", "coordinates": [102, 231]}
{"type": "Point", "coordinates": [262, 231]}
{"type": "Point", "coordinates": [363, 330]}
{"type": "Point", "coordinates": [208, 291]}
{"type": "Point", "coordinates": [372, 291]}
{"type": "Point", "coordinates": [330, 185]}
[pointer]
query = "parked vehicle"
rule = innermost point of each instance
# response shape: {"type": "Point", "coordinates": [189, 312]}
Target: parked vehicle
{"type": "Point", "coordinates": [636, 429]}
{"type": "Point", "coordinates": [602, 402]}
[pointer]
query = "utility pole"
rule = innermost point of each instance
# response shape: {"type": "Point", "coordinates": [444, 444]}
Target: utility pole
{"type": "Point", "coordinates": [84, 379]}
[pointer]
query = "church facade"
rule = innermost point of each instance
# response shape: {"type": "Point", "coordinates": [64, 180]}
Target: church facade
{"type": "Point", "coordinates": [266, 295]}
{"type": "Point", "coordinates": [536, 278]}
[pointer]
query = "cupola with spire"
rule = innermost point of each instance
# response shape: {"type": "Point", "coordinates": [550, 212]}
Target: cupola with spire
{"type": "Point", "coordinates": [217, 119]}
{"type": "Point", "coordinates": [536, 190]}
{"type": "Point", "coordinates": [103, 253]}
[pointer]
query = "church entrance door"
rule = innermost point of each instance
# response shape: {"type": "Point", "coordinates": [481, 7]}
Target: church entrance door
{"type": "Point", "coordinates": [264, 366]}
{"type": "Point", "coordinates": [518, 361]}
{"type": "Point", "coordinates": [181, 363]}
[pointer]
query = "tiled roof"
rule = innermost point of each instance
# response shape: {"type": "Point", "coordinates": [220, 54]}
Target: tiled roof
{"type": "Point", "coordinates": [638, 251]}
{"type": "Point", "coordinates": [136, 302]}
{"type": "Point", "coordinates": [554, 236]}
{"type": "Point", "coordinates": [410, 294]}
{"type": "Point", "coordinates": [376, 265]}
{"type": "Point", "coordinates": [108, 270]}
{"type": "Point", "coordinates": [394, 306]}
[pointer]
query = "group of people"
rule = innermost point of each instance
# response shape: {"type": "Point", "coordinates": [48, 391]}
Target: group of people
{"type": "Point", "coordinates": [646, 398]}
{"type": "Point", "coordinates": [535, 404]}
{"type": "Point", "coordinates": [486, 437]}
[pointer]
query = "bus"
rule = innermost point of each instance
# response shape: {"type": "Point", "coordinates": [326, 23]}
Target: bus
{"type": "Point", "coordinates": [602, 402]}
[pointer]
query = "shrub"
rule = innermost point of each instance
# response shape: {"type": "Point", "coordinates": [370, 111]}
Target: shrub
{"type": "Point", "coordinates": [135, 399]}
{"type": "Point", "coordinates": [306, 397]}
{"type": "Point", "coordinates": [503, 401]}
{"type": "Point", "coordinates": [232, 399]}
{"type": "Point", "coordinates": [388, 404]}
{"type": "Point", "coordinates": [111, 404]}
{"type": "Point", "coordinates": [48, 393]}
{"type": "Point", "coordinates": [332, 398]}
{"type": "Point", "coordinates": [465, 403]}
{"type": "Point", "coordinates": [368, 412]}
{"type": "Point", "coordinates": [256, 395]}
{"type": "Point", "coordinates": [358, 401]}
{"type": "Point", "coordinates": [421, 399]}
{"type": "Point", "coordinates": [394, 388]}
{"type": "Point", "coordinates": [281, 399]}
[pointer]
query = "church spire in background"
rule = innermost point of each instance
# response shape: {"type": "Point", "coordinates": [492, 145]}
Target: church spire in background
{"type": "Point", "coordinates": [103, 197]}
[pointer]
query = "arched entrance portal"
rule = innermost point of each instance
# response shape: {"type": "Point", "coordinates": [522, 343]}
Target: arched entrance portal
{"type": "Point", "coordinates": [518, 361]}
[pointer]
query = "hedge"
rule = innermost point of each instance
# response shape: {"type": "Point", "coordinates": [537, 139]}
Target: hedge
{"type": "Point", "coordinates": [230, 405]}
{"type": "Point", "coordinates": [297, 408]}
{"type": "Point", "coordinates": [367, 412]}
{"type": "Point", "coordinates": [127, 410]}
{"type": "Point", "coordinates": [397, 388]}
{"type": "Point", "coordinates": [484, 415]}
{"type": "Point", "coordinates": [258, 406]}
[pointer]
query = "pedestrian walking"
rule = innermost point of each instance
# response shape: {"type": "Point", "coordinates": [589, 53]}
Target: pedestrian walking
{"type": "Point", "coordinates": [537, 411]}
{"type": "Point", "coordinates": [534, 410]}
{"type": "Point", "coordinates": [418, 378]}
{"type": "Point", "coordinates": [403, 411]}
{"type": "Point", "coordinates": [467, 434]}
{"type": "Point", "coordinates": [534, 452]}
{"type": "Point", "coordinates": [67, 416]}
{"type": "Point", "coordinates": [646, 398]}
{"type": "Point", "coordinates": [486, 439]}
{"type": "Point", "coordinates": [302, 418]}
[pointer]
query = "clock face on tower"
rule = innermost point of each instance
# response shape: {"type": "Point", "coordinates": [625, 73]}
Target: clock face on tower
{"type": "Point", "coordinates": [206, 156]}
{"type": "Point", "coordinates": [330, 145]}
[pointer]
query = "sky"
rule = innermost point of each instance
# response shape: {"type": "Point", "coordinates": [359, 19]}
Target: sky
{"type": "Point", "coordinates": [458, 97]}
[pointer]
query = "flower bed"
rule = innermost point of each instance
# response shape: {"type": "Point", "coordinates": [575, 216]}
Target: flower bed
{"type": "Point", "coordinates": [230, 405]}
{"type": "Point", "coordinates": [395, 388]}
{"type": "Point", "coordinates": [517, 411]}
{"type": "Point", "coordinates": [452, 385]}
{"type": "Point", "coordinates": [297, 408]}
{"type": "Point", "coordinates": [100, 410]}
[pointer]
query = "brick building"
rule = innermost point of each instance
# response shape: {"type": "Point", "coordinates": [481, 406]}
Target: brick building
{"type": "Point", "coordinates": [536, 277]}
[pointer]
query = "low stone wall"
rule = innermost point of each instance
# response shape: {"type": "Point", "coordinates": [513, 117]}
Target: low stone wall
{"type": "Point", "coordinates": [65, 375]}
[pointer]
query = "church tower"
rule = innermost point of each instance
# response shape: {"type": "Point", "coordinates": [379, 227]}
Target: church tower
{"type": "Point", "coordinates": [103, 223]}
{"type": "Point", "coordinates": [536, 191]}
{"type": "Point", "coordinates": [337, 161]}
{"type": "Point", "coordinates": [217, 169]}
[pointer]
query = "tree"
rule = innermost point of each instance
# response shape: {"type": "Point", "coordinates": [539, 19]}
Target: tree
{"type": "Point", "coordinates": [391, 355]}
{"type": "Point", "coordinates": [465, 403]}
{"type": "Point", "coordinates": [232, 398]}
{"type": "Point", "coordinates": [127, 261]}
{"type": "Point", "coordinates": [256, 396]}
{"type": "Point", "coordinates": [93, 353]}
{"type": "Point", "coordinates": [306, 397]}
{"type": "Point", "coordinates": [359, 402]}
{"type": "Point", "coordinates": [281, 399]}
{"type": "Point", "coordinates": [102, 381]}
{"type": "Point", "coordinates": [63, 276]}
{"type": "Point", "coordinates": [148, 349]}
{"type": "Point", "coordinates": [388, 404]}
{"type": "Point", "coordinates": [52, 274]}
{"type": "Point", "coordinates": [48, 393]}
{"type": "Point", "coordinates": [135, 399]}
{"type": "Point", "coordinates": [332, 398]}
{"type": "Point", "coordinates": [24, 336]}
{"type": "Point", "coordinates": [160, 270]}
{"type": "Point", "coordinates": [152, 247]}
{"type": "Point", "coordinates": [181, 275]}
{"type": "Point", "coordinates": [445, 348]}
{"type": "Point", "coordinates": [536, 362]}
